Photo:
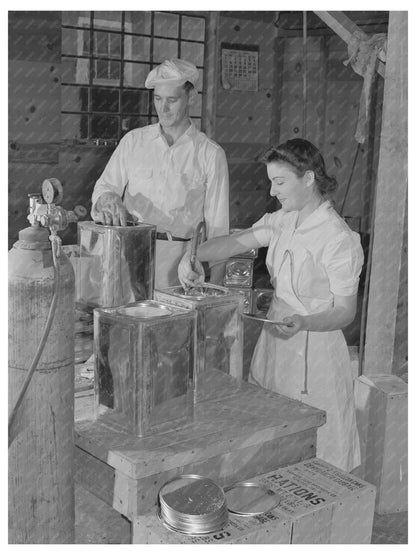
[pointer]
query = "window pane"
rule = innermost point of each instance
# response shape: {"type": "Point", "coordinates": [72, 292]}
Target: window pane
{"type": "Point", "coordinates": [74, 126]}
{"type": "Point", "coordinates": [104, 100]}
{"type": "Point", "coordinates": [193, 52]}
{"type": "Point", "coordinates": [164, 49]}
{"type": "Point", "coordinates": [166, 25]}
{"type": "Point", "coordinates": [136, 48]}
{"type": "Point", "coordinates": [75, 42]}
{"type": "Point", "coordinates": [74, 99]}
{"type": "Point", "coordinates": [132, 122]}
{"type": "Point", "coordinates": [75, 70]}
{"type": "Point", "coordinates": [106, 72]}
{"type": "Point", "coordinates": [196, 108]}
{"type": "Point", "coordinates": [104, 127]}
{"type": "Point", "coordinates": [138, 22]}
{"type": "Point", "coordinates": [107, 44]}
{"type": "Point", "coordinates": [80, 19]}
{"type": "Point", "coordinates": [136, 102]}
{"type": "Point", "coordinates": [135, 74]}
{"type": "Point", "coordinates": [193, 28]}
{"type": "Point", "coordinates": [108, 20]}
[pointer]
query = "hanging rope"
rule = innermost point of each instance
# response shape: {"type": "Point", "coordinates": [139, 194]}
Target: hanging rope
{"type": "Point", "coordinates": [357, 150]}
{"type": "Point", "coordinates": [305, 71]}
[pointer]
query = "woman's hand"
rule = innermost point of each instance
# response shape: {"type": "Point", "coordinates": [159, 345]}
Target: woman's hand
{"type": "Point", "coordinates": [292, 324]}
{"type": "Point", "coordinates": [186, 275]}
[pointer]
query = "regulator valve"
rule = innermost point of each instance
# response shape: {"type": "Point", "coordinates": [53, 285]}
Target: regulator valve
{"type": "Point", "coordinates": [44, 209]}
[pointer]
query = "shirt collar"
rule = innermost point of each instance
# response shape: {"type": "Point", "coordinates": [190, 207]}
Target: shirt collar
{"type": "Point", "coordinates": [317, 217]}
{"type": "Point", "coordinates": [191, 131]}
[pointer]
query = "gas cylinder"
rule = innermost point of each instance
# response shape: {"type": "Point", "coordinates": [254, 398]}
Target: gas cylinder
{"type": "Point", "coordinates": [41, 453]}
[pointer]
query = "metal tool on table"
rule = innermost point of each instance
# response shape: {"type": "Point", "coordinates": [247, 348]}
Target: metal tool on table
{"type": "Point", "coordinates": [263, 318]}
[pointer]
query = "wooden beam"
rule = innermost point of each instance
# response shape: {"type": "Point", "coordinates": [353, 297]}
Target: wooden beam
{"type": "Point", "coordinates": [210, 86]}
{"type": "Point", "coordinates": [390, 206]}
{"type": "Point", "coordinates": [345, 28]}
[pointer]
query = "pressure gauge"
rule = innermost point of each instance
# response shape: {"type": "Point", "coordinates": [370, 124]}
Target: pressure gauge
{"type": "Point", "coordinates": [52, 191]}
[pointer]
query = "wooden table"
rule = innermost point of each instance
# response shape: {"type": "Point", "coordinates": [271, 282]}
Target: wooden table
{"type": "Point", "coordinates": [239, 431]}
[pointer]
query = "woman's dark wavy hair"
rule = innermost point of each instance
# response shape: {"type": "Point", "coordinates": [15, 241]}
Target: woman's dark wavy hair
{"type": "Point", "coordinates": [302, 156]}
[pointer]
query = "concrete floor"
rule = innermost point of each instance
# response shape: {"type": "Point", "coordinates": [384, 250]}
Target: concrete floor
{"type": "Point", "coordinates": [97, 523]}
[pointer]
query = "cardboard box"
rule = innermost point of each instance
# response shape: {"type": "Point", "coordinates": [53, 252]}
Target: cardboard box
{"type": "Point", "coordinates": [320, 504]}
{"type": "Point", "coordinates": [270, 528]}
{"type": "Point", "coordinates": [324, 503]}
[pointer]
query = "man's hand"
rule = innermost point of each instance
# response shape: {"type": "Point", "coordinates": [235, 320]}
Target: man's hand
{"type": "Point", "coordinates": [186, 275]}
{"type": "Point", "coordinates": [111, 211]}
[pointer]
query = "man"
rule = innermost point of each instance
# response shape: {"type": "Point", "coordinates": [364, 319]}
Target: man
{"type": "Point", "coordinates": [168, 174]}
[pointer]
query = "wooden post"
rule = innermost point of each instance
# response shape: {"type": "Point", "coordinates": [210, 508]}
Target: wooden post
{"type": "Point", "coordinates": [381, 398]}
{"type": "Point", "coordinates": [390, 205]}
{"type": "Point", "coordinates": [211, 75]}
{"type": "Point", "coordinates": [345, 28]}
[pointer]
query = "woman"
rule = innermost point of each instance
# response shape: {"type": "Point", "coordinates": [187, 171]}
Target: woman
{"type": "Point", "coordinates": [314, 260]}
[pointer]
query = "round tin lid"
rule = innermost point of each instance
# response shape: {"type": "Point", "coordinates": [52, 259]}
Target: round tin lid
{"type": "Point", "coordinates": [145, 309]}
{"type": "Point", "coordinates": [250, 499]}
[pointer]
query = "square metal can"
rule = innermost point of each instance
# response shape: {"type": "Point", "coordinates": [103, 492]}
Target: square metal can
{"type": "Point", "coordinates": [145, 366]}
{"type": "Point", "coordinates": [239, 272]}
{"type": "Point", "coordinates": [116, 264]}
{"type": "Point", "coordinates": [262, 299]}
{"type": "Point", "coordinates": [219, 328]}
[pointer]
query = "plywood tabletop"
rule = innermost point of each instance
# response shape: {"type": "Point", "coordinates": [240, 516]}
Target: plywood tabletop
{"type": "Point", "coordinates": [241, 415]}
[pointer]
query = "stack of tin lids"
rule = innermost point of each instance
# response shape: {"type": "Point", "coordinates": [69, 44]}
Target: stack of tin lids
{"type": "Point", "coordinates": [193, 505]}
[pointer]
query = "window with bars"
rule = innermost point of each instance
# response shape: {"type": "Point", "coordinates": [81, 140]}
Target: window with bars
{"type": "Point", "coordinates": [106, 57]}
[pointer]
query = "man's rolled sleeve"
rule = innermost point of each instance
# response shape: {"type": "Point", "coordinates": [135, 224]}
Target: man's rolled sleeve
{"type": "Point", "coordinates": [114, 177]}
{"type": "Point", "coordinates": [216, 206]}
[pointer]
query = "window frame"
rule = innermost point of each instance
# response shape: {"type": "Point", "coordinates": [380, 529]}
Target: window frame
{"type": "Point", "coordinates": [87, 26]}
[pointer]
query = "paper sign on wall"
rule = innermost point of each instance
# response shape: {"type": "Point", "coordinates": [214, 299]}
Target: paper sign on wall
{"type": "Point", "coordinates": [239, 67]}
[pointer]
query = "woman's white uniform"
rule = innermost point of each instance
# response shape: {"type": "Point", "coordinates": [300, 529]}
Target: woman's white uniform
{"type": "Point", "coordinates": [308, 265]}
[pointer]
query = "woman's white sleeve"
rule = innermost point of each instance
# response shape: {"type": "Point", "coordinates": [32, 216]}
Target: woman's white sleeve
{"type": "Point", "coordinates": [343, 259]}
{"type": "Point", "coordinates": [264, 228]}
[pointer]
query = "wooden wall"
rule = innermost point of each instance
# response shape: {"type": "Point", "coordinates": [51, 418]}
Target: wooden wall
{"type": "Point", "coordinates": [246, 122]}
{"type": "Point", "coordinates": [36, 150]}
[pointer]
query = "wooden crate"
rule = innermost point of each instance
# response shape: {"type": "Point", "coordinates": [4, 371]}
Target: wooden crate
{"type": "Point", "coordinates": [381, 403]}
{"type": "Point", "coordinates": [320, 504]}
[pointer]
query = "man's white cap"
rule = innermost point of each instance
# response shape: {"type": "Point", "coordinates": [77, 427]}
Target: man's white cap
{"type": "Point", "coordinates": [172, 72]}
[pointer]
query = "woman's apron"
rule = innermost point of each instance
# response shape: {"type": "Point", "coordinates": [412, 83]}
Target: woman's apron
{"type": "Point", "coordinates": [312, 367]}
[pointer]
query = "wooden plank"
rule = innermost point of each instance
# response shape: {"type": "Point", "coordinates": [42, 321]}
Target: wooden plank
{"type": "Point", "coordinates": [390, 207]}
{"type": "Point", "coordinates": [210, 106]}
{"type": "Point", "coordinates": [345, 28]}
{"type": "Point", "coordinates": [279, 57]}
